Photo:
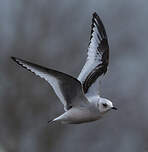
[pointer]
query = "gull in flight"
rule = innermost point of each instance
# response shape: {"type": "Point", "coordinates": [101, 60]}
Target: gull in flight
{"type": "Point", "coordinates": [80, 97]}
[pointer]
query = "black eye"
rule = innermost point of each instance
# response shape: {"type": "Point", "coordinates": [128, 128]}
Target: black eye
{"type": "Point", "coordinates": [104, 105]}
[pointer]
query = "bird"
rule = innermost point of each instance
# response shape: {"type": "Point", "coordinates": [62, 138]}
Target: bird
{"type": "Point", "coordinates": [80, 96]}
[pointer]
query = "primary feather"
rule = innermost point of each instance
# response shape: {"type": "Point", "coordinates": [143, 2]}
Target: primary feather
{"type": "Point", "coordinates": [97, 58]}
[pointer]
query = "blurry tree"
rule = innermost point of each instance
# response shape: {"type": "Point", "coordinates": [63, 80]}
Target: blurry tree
{"type": "Point", "coordinates": [56, 34]}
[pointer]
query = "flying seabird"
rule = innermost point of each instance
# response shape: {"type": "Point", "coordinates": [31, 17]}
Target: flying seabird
{"type": "Point", "coordinates": [80, 97]}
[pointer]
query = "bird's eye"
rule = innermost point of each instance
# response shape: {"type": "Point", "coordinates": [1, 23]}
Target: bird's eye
{"type": "Point", "coordinates": [104, 105]}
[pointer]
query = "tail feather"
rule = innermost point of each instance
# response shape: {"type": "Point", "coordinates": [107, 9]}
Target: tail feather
{"type": "Point", "coordinates": [50, 121]}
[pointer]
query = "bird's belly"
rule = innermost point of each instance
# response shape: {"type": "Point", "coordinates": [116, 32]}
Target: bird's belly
{"type": "Point", "coordinates": [82, 115]}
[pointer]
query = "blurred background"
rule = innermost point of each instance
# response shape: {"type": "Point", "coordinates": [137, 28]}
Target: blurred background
{"type": "Point", "coordinates": [56, 34]}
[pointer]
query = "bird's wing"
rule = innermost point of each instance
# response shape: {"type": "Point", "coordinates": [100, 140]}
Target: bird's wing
{"type": "Point", "coordinates": [68, 89]}
{"type": "Point", "coordinates": [97, 59]}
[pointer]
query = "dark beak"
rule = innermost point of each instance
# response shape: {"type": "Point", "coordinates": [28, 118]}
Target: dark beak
{"type": "Point", "coordinates": [114, 108]}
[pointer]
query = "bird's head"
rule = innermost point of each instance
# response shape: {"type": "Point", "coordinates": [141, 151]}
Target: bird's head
{"type": "Point", "coordinates": [105, 105]}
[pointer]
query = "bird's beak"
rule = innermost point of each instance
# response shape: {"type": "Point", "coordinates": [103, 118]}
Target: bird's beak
{"type": "Point", "coordinates": [114, 108]}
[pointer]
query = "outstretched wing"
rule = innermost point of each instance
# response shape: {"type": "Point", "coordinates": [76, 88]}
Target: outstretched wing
{"type": "Point", "coordinates": [97, 59]}
{"type": "Point", "coordinates": [67, 88]}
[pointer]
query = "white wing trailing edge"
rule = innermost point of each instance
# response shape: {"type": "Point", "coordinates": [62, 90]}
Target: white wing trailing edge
{"type": "Point", "coordinates": [97, 59]}
{"type": "Point", "coordinates": [66, 87]}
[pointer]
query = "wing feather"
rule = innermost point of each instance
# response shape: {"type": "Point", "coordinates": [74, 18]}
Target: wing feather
{"type": "Point", "coordinates": [97, 56]}
{"type": "Point", "coordinates": [67, 88]}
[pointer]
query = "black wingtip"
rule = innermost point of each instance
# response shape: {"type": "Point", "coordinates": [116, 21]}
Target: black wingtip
{"type": "Point", "coordinates": [17, 60]}
{"type": "Point", "coordinates": [13, 58]}
{"type": "Point", "coordinates": [95, 14]}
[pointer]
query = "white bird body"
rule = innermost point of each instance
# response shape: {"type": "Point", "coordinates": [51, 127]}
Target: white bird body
{"type": "Point", "coordinates": [79, 115]}
{"type": "Point", "coordinates": [86, 113]}
{"type": "Point", "coordinates": [80, 97]}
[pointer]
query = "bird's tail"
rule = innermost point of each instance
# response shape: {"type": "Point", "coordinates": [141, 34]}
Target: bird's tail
{"type": "Point", "coordinates": [50, 121]}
